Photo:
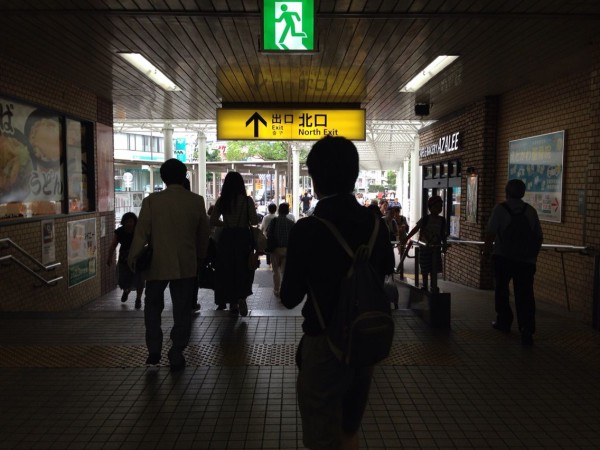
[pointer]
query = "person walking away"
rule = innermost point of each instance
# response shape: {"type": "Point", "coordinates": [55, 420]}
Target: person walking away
{"type": "Point", "coordinates": [432, 231]}
{"type": "Point", "coordinates": [174, 223]}
{"type": "Point", "coordinates": [402, 233]}
{"type": "Point", "coordinates": [264, 225]}
{"type": "Point", "coordinates": [233, 279]}
{"type": "Point", "coordinates": [514, 238]}
{"type": "Point", "coordinates": [332, 396]}
{"type": "Point", "coordinates": [306, 198]}
{"type": "Point", "coordinates": [277, 237]}
{"type": "Point", "coordinates": [127, 279]}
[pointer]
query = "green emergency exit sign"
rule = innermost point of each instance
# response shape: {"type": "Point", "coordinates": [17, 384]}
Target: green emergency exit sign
{"type": "Point", "coordinates": [289, 25]}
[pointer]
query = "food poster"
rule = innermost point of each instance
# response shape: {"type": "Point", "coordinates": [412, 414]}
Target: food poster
{"type": "Point", "coordinates": [538, 162]}
{"type": "Point", "coordinates": [31, 175]}
{"type": "Point", "coordinates": [82, 250]}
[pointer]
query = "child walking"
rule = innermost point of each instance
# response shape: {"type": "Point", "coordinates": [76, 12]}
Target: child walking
{"type": "Point", "coordinates": [432, 231]}
{"type": "Point", "coordinates": [127, 280]}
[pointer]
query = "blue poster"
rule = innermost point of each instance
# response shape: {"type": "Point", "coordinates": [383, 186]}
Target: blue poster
{"type": "Point", "coordinates": [538, 161]}
{"type": "Point", "coordinates": [180, 149]}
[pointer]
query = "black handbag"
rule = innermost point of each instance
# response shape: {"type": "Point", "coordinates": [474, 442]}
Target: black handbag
{"type": "Point", "coordinates": [206, 275]}
{"type": "Point", "coordinates": [144, 259]}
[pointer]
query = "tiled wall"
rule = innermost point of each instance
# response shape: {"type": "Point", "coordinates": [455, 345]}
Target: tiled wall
{"type": "Point", "coordinates": [477, 127]}
{"type": "Point", "coordinates": [571, 104]}
{"type": "Point", "coordinates": [20, 291]}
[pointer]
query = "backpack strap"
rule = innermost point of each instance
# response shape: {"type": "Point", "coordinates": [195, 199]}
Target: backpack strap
{"type": "Point", "coordinates": [360, 253]}
{"type": "Point", "coordinates": [366, 254]}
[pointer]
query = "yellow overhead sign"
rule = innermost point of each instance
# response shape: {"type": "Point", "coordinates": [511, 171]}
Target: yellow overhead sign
{"type": "Point", "coordinates": [290, 124]}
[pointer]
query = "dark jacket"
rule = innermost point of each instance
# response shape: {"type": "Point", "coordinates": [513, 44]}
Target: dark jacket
{"type": "Point", "coordinates": [315, 258]}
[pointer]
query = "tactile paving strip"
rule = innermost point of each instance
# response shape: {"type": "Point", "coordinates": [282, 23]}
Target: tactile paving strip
{"type": "Point", "coordinates": [114, 356]}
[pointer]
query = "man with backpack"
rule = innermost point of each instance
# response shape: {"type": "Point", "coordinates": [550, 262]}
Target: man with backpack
{"type": "Point", "coordinates": [515, 233]}
{"type": "Point", "coordinates": [334, 377]}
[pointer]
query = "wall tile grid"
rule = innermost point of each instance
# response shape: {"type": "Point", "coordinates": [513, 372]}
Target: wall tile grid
{"type": "Point", "coordinates": [17, 291]}
{"type": "Point", "coordinates": [570, 104]}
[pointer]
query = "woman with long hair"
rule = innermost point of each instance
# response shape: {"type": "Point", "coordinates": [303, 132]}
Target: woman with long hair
{"type": "Point", "coordinates": [234, 211]}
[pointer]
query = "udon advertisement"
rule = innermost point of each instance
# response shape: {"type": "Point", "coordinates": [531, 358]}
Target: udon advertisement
{"type": "Point", "coordinates": [31, 176]}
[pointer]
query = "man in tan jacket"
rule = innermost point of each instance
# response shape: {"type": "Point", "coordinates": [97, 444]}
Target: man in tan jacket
{"type": "Point", "coordinates": [174, 223]}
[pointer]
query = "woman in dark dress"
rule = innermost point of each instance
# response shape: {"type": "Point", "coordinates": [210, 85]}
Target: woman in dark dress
{"type": "Point", "coordinates": [234, 211]}
{"type": "Point", "coordinates": [127, 280]}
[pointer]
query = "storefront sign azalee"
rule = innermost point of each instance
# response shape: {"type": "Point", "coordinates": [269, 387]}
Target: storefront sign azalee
{"type": "Point", "coordinates": [446, 144]}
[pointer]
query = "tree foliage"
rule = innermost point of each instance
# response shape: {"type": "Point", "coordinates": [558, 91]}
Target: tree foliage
{"type": "Point", "coordinates": [391, 179]}
{"type": "Point", "coordinates": [244, 150]}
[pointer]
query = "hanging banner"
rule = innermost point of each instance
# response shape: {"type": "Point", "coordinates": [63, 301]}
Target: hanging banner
{"type": "Point", "coordinates": [538, 162]}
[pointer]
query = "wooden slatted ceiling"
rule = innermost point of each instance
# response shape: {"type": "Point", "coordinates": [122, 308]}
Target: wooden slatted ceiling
{"type": "Point", "coordinates": [368, 50]}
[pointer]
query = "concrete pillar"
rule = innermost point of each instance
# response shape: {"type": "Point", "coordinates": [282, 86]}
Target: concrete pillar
{"type": "Point", "coordinates": [400, 183]}
{"type": "Point", "coordinates": [416, 184]}
{"type": "Point", "coordinates": [202, 165]}
{"type": "Point", "coordinates": [168, 134]}
{"type": "Point", "coordinates": [405, 191]}
{"type": "Point", "coordinates": [296, 183]}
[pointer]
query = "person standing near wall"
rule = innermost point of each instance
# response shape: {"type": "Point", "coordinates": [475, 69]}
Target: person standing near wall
{"type": "Point", "coordinates": [515, 234]}
{"type": "Point", "coordinates": [174, 223]}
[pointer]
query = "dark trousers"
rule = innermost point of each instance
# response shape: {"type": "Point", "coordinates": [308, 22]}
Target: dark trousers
{"type": "Point", "coordinates": [522, 277]}
{"type": "Point", "coordinates": [182, 292]}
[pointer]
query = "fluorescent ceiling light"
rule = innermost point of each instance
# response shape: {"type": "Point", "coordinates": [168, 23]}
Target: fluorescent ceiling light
{"type": "Point", "coordinates": [438, 64]}
{"type": "Point", "coordinates": [147, 68]}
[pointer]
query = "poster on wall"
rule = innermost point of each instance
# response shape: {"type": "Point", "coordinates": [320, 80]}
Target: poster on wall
{"type": "Point", "coordinates": [538, 162]}
{"type": "Point", "coordinates": [48, 242]}
{"type": "Point", "coordinates": [105, 165]}
{"type": "Point", "coordinates": [472, 198]}
{"type": "Point", "coordinates": [82, 250]}
{"type": "Point", "coordinates": [31, 172]}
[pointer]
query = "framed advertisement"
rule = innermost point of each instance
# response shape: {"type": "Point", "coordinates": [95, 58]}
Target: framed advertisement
{"type": "Point", "coordinates": [471, 212]}
{"type": "Point", "coordinates": [82, 250]}
{"type": "Point", "coordinates": [538, 162]}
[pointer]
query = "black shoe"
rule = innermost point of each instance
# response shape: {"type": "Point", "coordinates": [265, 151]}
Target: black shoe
{"type": "Point", "coordinates": [526, 338]}
{"type": "Point", "coordinates": [243, 307]}
{"type": "Point", "coordinates": [153, 359]}
{"type": "Point", "coordinates": [234, 312]}
{"type": "Point", "coordinates": [503, 329]}
{"type": "Point", "coordinates": [138, 303]}
{"type": "Point", "coordinates": [221, 307]}
{"type": "Point", "coordinates": [176, 360]}
{"type": "Point", "coordinates": [124, 296]}
{"type": "Point", "coordinates": [196, 307]}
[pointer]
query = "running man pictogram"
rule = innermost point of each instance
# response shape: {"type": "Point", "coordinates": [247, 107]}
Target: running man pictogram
{"type": "Point", "coordinates": [290, 26]}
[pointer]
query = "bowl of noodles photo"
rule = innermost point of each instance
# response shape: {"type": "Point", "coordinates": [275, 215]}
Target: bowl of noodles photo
{"type": "Point", "coordinates": [15, 168]}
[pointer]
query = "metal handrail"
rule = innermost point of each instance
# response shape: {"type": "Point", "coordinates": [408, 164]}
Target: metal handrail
{"type": "Point", "coordinates": [7, 242]}
{"type": "Point", "coordinates": [559, 248]}
{"type": "Point", "coordinates": [51, 282]}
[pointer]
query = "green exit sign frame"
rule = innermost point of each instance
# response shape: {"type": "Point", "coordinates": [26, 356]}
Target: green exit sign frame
{"type": "Point", "coordinates": [288, 26]}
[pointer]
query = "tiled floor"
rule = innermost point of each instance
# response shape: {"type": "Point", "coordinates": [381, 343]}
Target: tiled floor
{"type": "Point", "coordinates": [77, 380]}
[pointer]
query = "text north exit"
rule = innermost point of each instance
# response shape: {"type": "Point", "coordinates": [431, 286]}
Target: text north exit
{"type": "Point", "coordinates": [290, 124]}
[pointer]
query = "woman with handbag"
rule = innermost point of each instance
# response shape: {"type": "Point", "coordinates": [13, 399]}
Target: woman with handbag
{"type": "Point", "coordinates": [234, 211]}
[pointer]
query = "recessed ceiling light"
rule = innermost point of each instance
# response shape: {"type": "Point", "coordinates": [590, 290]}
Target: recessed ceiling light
{"type": "Point", "coordinates": [147, 68]}
{"type": "Point", "coordinates": [438, 64]}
